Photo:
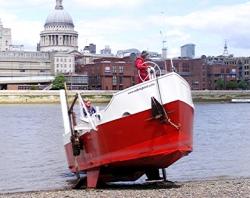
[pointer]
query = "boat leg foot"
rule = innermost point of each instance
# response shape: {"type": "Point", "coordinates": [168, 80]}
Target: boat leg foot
{"type": "Point", "coordinates": [164, 174]}
{"type": "Point", "coordinates": [92, 178]}
{"type": "Point", "coordinates": [153, 175]}
{"type": "Point", "coordinates": [80, 182]}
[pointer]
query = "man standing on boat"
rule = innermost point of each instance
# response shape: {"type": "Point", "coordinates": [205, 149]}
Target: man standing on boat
{"type": "Point", "coordinates": [91, 110]}
{"type": "Point", "coordinates": [142, 67]}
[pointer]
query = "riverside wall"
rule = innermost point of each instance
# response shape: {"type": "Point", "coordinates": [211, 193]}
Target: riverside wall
{"type": "Point", "coordinates": [101, 96]}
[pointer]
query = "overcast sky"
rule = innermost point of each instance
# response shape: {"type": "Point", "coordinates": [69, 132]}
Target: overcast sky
{"type": "Point", "coordinates": [141, 24]}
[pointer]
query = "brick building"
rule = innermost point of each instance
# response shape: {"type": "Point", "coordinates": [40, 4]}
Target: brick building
{"type": "Point", "coordinates": [222, 72]}
{"type": "Point", "coordinates": [193, 70]}
{"type": "Point", "coordinates": [109, 73]}
{"type": "Point", "coordinates": [113, 73]}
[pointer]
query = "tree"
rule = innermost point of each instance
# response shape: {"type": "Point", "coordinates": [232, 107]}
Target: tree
{"type": "Point", "coordinates": [58, 83]}
{"type": "Point", "coordinates": [243, 85]}
{"type": "Point", "coordinates": [232, 85]}
{"type": "Point", "coordinates": [219, 84]}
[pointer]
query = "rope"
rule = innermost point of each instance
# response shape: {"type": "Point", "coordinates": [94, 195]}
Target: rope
{"type": "Point", "coordinates": [177, 126]}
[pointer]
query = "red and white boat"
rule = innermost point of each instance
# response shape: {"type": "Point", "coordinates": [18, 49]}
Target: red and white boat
{"type": "Point", "coordinates": [145, 127]}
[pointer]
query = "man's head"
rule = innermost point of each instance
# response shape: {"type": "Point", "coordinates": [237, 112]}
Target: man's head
{"type": "Point", "coordinates": [88, 103]}
{"type": "Point", "coordinates": [144, 54]}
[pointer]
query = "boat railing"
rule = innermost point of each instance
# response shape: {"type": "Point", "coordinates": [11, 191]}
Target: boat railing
{"type": "Point", "coordinates": [153, 70]}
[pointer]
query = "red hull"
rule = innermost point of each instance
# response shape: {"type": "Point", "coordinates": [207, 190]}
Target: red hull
{"type": "Point", "coordinates": [135, 143]}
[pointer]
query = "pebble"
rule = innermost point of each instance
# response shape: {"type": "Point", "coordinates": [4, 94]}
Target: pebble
{"type": "Point", "coordinates": [196, 189]}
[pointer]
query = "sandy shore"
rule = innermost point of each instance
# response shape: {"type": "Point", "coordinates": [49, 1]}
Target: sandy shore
{"type": "Point", "coordinates": [216, 188]}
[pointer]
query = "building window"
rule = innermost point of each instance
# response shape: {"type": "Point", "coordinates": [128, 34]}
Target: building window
{"type": "Point", "coordinates": [114, 69]}
{"type": "Point", "coordinates": [185, 68]}
{"type": "Point", "coordinates": [121, 69]}
{"type": "Point", "coordinates": [107, 69]}
{"type": "Point", "coordinates": [114, 80]}
{"type": "Point", "coordinates": [120, 80]}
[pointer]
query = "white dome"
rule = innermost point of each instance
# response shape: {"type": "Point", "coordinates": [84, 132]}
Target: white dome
{"type": "Point", "coordinates": [59, 33]}
{"type": "Point", "coordinates": [59, 17]}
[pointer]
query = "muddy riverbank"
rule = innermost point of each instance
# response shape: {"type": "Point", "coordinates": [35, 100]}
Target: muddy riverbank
{"type": "Point", "coordinates": [99, 96]}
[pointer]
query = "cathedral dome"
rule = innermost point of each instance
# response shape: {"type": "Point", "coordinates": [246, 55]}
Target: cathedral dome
{"type": "Point", "coordinates": [58, 33]}
{"type": "Point", "coordinates": [59, 17]}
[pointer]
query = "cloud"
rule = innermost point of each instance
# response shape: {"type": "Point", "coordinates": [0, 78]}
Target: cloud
{"type": "Point", "coordinates": [213, 25]}
{"type": "Point", "coordinates": [207, 28]}
{"type": "Point", "coordinates": [25, 32]}
{"type": "Point", "coordinates": [108, 31]}
{"type": "Point", "coordinates": [23, 3]}
{"type": "Point", "coordinates": [109, 3]}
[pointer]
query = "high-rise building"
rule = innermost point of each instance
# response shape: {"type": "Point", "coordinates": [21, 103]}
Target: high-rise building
{"type": "Point", "coordinates": [5, 38]}
{"type": "Point", "coordinates": [106, 50]}
{"type": "Point", "coordinates": [188, 51]}
{"type": "Point", "coordinates": [58, 33]}
{"type": "Point", "coordinates": [164, 50]}
{"type": "Point", "coordinates": [91, 48]}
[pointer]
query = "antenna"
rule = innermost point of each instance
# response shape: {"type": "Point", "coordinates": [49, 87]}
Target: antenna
{"type": "Point", "coordinates": [164, 48]}
{"type": "Point", "coordinates": [225, 52]}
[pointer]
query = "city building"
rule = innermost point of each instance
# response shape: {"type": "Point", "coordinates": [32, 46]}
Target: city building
{"type": "Point", "coordinates": [5, 38]}
{"type": "Point", "coordinates": [221, 73]}
{"type": "Point", "coordinates": [164, 49]}
{"type": "Point", "coordinates": [193, 70]}
{"type": "Point", "coordinates": [109, 73]}
{"type": "Point", "coordinates": [22, 67]}
{"type": "Point", "coordinates": [127, 52]}
{"type": "Point", "coordinates": [77, 81]}
{"type": "Point", "coordinates": [91, 48]}
{"type": "Point", "coordinates": [58, 33]}
{"type": "Point", "coordinates": [106, 50]}
{"type": "Point", "coordinates": [164, 52]}
{"type": "Point", "coordinates": [188, 51]}
{"type": "Point", "coordinates": [243, 64]}
{"type": "Point", "coordinates": [63, 63]}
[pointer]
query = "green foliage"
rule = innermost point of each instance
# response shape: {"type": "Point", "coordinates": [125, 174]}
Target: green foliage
{"type": "Point", "coordinates": [243, 85]}
{"type": "Point", "coordinates": [219, 84]}
{"type": "Point", "coordinates": [232, 85]}
{"type": "Point", "coordinates": [58, 83]}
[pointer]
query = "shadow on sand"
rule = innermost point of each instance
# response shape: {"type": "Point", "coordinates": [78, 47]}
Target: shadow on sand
{"type": "Point", "coordinates": [81, 184]}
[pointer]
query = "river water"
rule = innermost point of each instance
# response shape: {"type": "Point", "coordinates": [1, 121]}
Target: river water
{"type": "Point", "coordinates": [32, 154]}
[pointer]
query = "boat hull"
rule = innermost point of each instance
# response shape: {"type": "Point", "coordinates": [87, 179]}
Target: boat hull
{"type": "Point", "coordinates": [135, 143]}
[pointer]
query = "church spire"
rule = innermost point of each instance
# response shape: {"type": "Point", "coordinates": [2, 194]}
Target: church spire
{"type": "Point", "coordinates": [59, 5]}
